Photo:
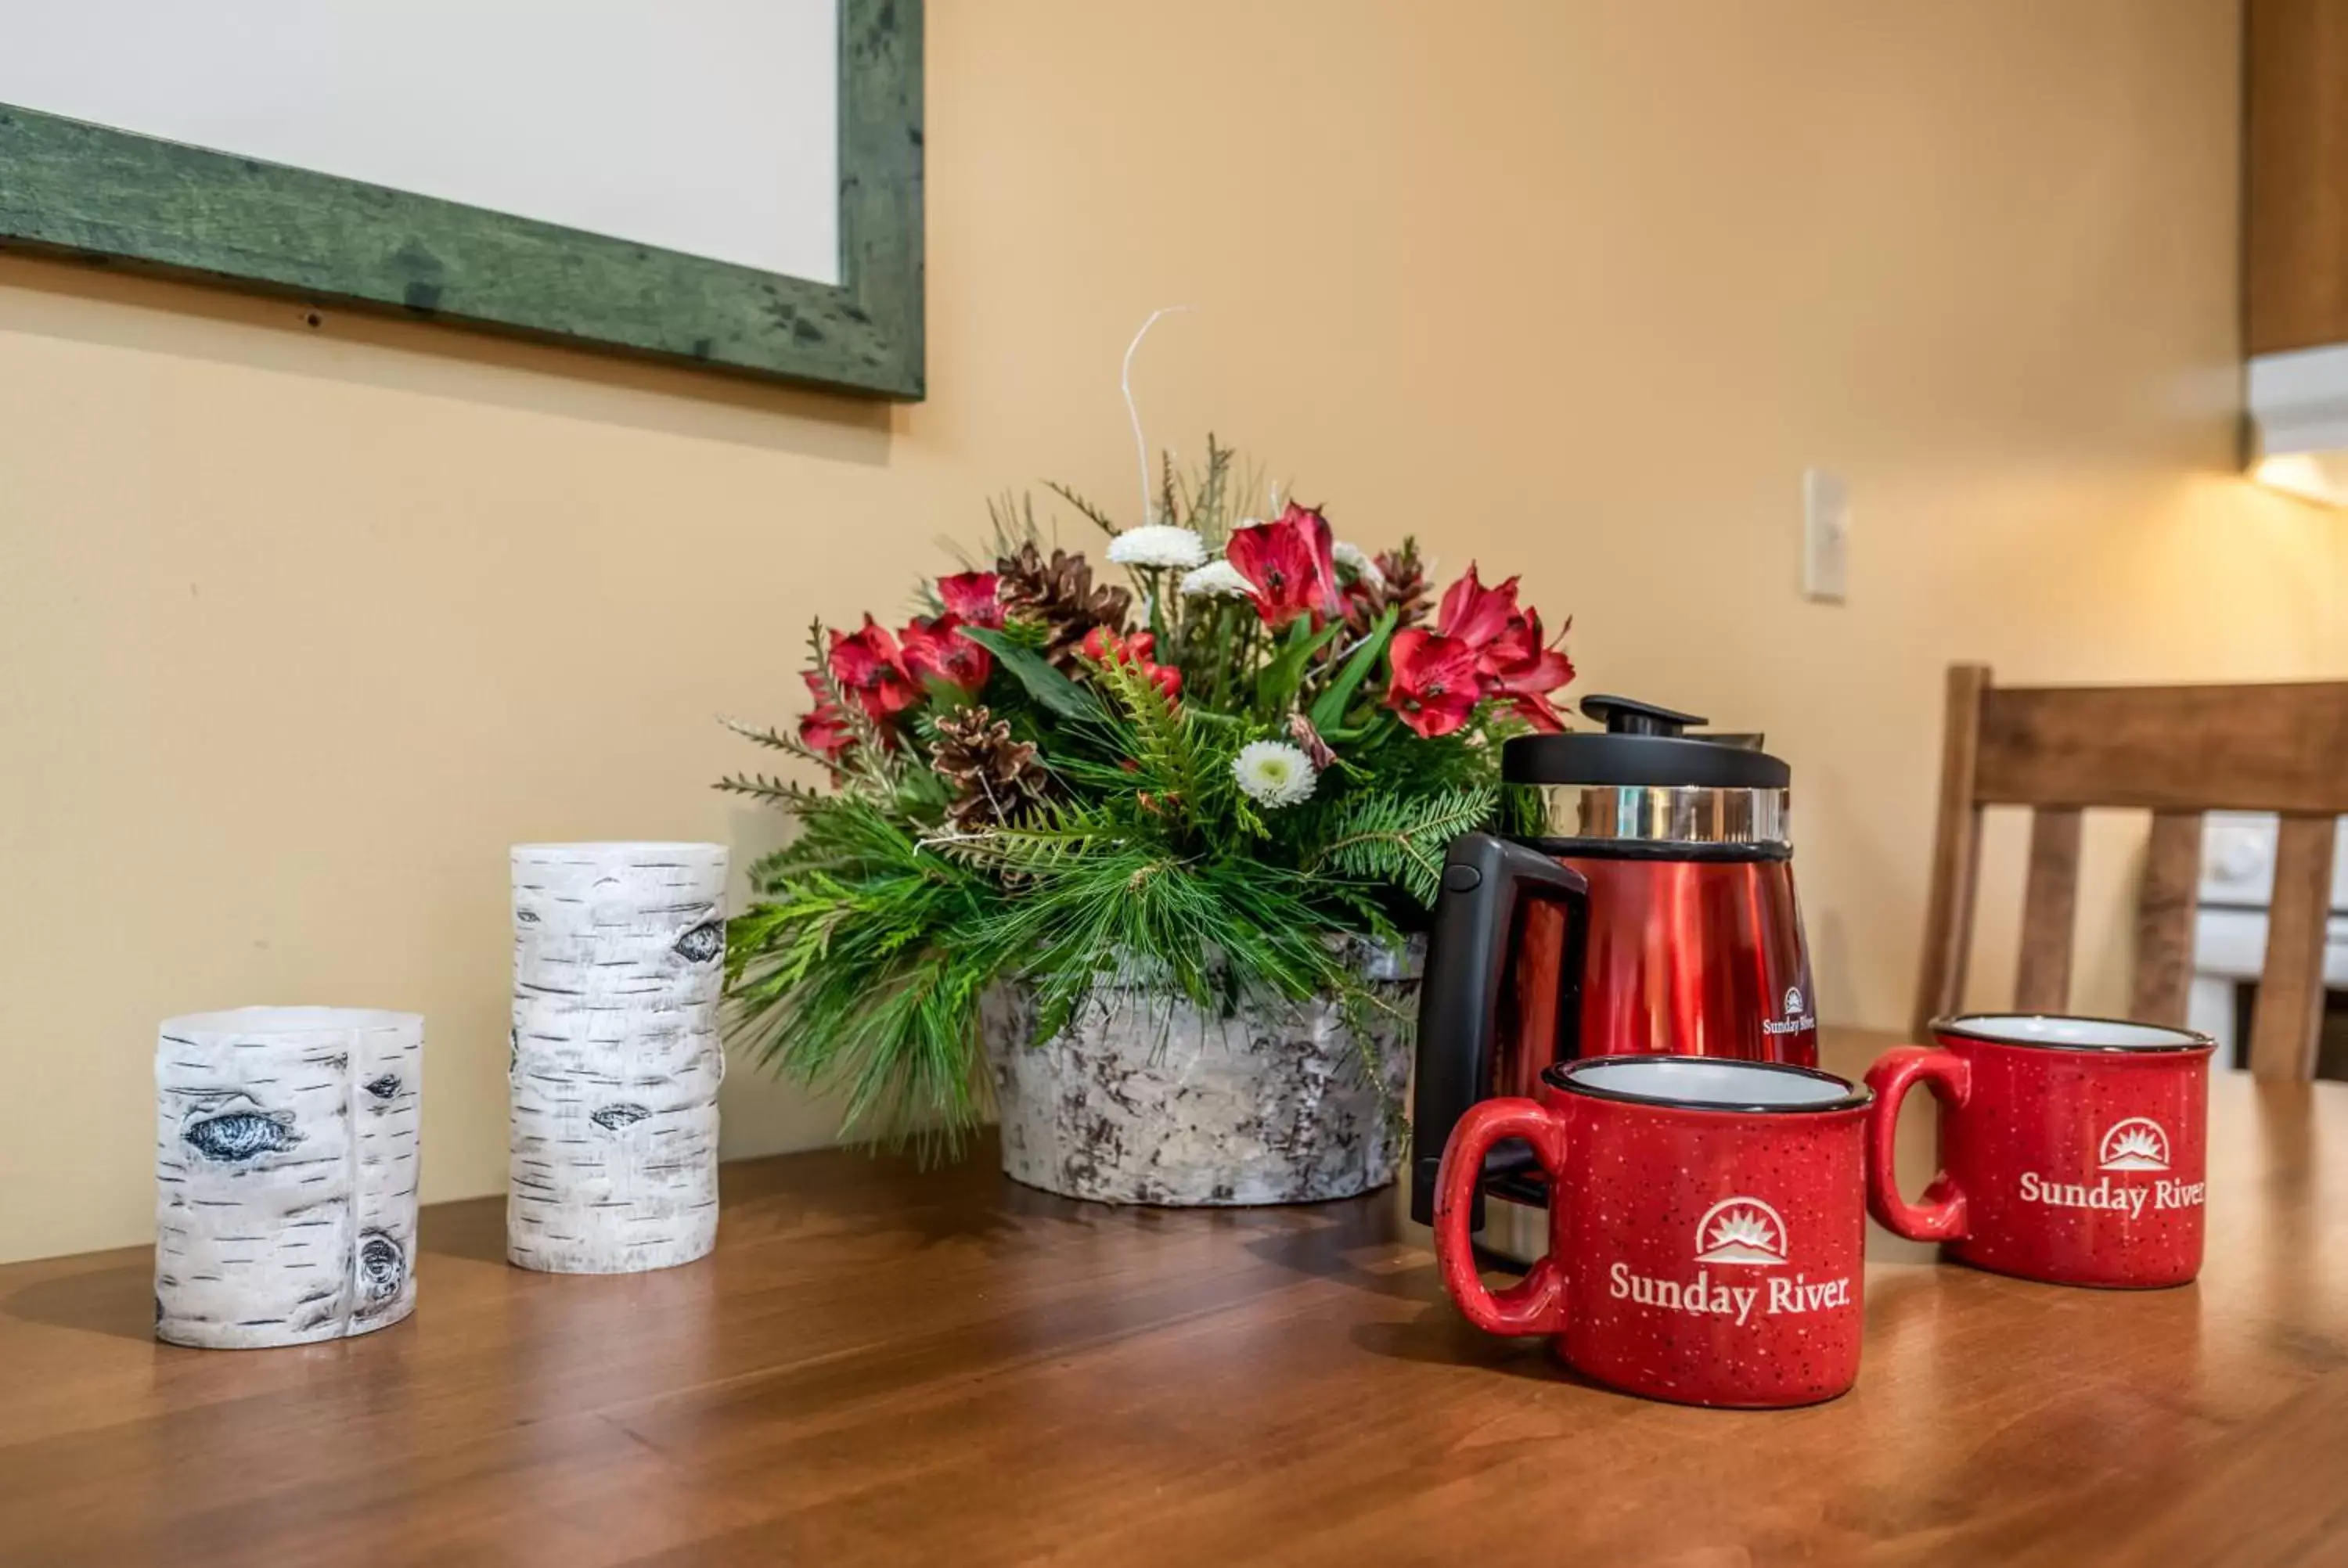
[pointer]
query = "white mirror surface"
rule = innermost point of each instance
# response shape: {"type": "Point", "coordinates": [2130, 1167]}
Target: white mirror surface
{"type": "Point", "coordinates": [710, 127]}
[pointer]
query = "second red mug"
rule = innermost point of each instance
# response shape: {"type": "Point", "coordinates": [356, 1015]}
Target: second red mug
{"type": "Point", "coordinates": [2071, 1148]}
{"type": "Point", "coordinates": [1707, 1222]}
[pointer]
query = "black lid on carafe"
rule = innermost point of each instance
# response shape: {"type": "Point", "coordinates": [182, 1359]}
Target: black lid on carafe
{"type": "Point", "coordinates": [1642, 745]}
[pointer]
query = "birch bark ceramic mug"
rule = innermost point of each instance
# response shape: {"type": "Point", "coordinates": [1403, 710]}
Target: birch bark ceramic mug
{"type": "Point", "coordinates": [1708, 1223]}
{"type": "Point", "coordinates": [2072, 1148]}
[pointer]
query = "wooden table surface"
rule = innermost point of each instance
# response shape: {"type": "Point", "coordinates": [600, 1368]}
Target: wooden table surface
{"type": "Point", "coordinates": [883, 1365]}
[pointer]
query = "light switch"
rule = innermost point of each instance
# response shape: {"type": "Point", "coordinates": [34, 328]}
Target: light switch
{"type": "Point", "coordinates": [1826, 536]}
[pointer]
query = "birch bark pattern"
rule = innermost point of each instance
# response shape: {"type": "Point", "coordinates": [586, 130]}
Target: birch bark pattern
{"type": "Point", "coordinates": [285, 1170]}
{"type": "Point", "coordinates": [619, 960]}
{"type": "Point", "coordinates": [1143, 1099]}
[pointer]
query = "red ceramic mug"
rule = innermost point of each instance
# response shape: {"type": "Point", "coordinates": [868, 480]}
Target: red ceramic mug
{"type": "Point", "coordinates": [2071, 1148]}
{"type": "Point", "coordinates": [1707, 1219]}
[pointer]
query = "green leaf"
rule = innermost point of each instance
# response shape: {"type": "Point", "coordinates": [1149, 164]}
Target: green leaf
{"type": "Point", "coordinates": [1276, 686]}
{"type": "Point", "coordinates": [1043, 683]}
{"type": "Point", "coordinates": [1329, 708]}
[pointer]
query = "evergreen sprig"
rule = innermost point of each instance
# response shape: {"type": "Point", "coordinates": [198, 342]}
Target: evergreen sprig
{"type": "Point", "coordinates": [1392, 835]}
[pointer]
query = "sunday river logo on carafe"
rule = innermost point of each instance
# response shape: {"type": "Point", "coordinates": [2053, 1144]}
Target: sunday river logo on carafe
{"type": "Point", "coordinates": [1739, 1234]}
{"type": "Point", "coordinates": [1796, 1017]}
{"type": "Point", "coordinates": [2135, 1145]}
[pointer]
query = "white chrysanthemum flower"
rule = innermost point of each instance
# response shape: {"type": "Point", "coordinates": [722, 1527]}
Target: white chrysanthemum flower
{"type": "Point", "coordinates": [1274, 774]}
{"type": "Point", "coordinates": [1216, 579]}
{"type": "Point", "coordinates": [1159, 544]}
{"type": "Point", "coordinates": [1358, 558]}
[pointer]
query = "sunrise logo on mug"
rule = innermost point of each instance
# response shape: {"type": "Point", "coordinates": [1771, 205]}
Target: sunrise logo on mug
{"type": "Point", "coordinates": [1707, 1222]}
{"type": "Point", "coordinates": [2071, 1149]}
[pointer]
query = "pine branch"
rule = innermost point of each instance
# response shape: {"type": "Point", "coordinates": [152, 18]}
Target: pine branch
{"type": "Point", "coordinates": [1205, 502]}
{"type": "Point", "coordinates": [1391, 837]}
{"type": "Point", "coordinates": [871, 758]}
{"type": "Point", "coordinates": [1165, 488]}
{"type": "Point", "coordinates": [775, 791]}
{"type": "Point", "coordinates": [775, 740]}
{"type": "Point", "coordinates": [1162, 741]}
{"type": "Point", "coordinates": [1099, 516]}
{"type": "Point", "coordinates": [1027, 851]}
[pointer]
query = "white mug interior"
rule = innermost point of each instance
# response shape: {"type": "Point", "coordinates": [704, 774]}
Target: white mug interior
{"type": "Point", "coordinates": [1706, 1082]}
{"type": "Point", "coordinates": [2071, 1033]}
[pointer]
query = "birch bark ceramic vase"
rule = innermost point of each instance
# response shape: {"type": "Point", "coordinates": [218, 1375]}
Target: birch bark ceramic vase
{"type": "Point", "coordinates": [1144, 1099]}
{"type": "Point", "coordinates": [618, 958]}
{"type": "Point", "coordinates": [285, 1170]}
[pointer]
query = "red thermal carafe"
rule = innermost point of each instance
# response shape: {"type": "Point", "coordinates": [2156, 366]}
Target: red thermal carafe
{"type": "Point", "coordinates": [1641, 900]}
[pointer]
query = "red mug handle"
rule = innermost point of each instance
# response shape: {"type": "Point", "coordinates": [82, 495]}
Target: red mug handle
{"type": "Point", "coordinates": [1941, 1215]}
{"type": "Point", "coordinates": [1536, 1304]}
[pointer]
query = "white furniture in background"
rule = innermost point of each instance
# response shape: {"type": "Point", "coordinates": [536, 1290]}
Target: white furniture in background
{"type": "Point", "coordinates": [2229, 926]}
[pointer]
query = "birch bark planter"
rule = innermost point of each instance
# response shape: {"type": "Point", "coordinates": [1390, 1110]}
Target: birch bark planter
{"type": "Point", "coordinates": [285, 1170]}
{"type": "Point", "coordinates": [1144, 1099]}
{"type": "Point", "coordinates": [619, 956]}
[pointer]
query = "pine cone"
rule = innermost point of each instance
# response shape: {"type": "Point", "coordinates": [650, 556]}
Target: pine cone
{"type": "Point", "coordinates": [995, 778]}
{"type": "Point", "coordinates": [1060, 594]}
{"type": "Point", "coordinates": [1405, 590]}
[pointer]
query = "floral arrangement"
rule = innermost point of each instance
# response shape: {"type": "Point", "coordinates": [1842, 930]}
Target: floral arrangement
{"type": "Point", "coordinates": [1254, 748]}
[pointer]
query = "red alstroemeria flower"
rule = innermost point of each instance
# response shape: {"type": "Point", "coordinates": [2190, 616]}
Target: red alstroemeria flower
{"type": "Point", "coordinates": [1513, 666]}
{"type": "Point", "coordinates": [1103, 646]}
{"type": "Point", "coordinates": [935, 650]}
{"type": "Point", "coordinates": [1434, 686]}
{"type": "Point", "coordinates": [1527, 672]}
{"type": "Point", "coordinates": [869, 666]}
{"type": "Point", "coordinates": [1290, 564]}
{"type": "Point", "coordinates": [970, 597]}
{"type": "Point", "coordinates": [826, 728]}
{"type": "Point", "coordinates": [1475, 614]}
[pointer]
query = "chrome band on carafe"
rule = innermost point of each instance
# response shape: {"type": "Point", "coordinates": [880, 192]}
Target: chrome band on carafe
{"type": "Point", "coordinates": [1648, 814]}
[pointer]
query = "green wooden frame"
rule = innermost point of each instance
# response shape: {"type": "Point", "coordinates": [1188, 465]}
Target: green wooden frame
{"type": "Point", "coordinates": [112, 197]}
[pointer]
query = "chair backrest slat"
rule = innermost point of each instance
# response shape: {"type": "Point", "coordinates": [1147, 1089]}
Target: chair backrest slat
{"type": "Point", "coordinates": [2050, 906]}
{"type": "Point", "coordinates": [1956, 843]}
{"type": "Point", "coordinates": [2179, 752]}
{"type": "Point", "coordinates": [2281, 747]}
{"type": "Point", "coordinates": [2288, 1023]}
{"type": "Point", "coordinates": [2164, 919]}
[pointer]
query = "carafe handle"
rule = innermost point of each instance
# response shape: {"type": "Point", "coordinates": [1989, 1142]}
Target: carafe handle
{"type": "Point", "coordinates": [1486, 880]}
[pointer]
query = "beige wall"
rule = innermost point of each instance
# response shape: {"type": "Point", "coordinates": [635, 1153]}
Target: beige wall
{"type": "Point", "coordinates": [300, 627]}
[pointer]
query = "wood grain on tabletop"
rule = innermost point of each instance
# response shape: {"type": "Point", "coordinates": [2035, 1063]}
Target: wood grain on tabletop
{"type": "Point", "coordinates": [879, 1364]}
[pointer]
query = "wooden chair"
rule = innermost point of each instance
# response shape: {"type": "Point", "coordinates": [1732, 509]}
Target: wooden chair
{"type": "Point", "coordinates": [2179, 751]}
